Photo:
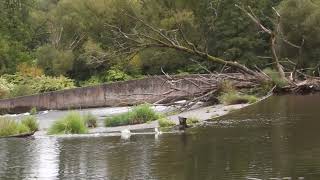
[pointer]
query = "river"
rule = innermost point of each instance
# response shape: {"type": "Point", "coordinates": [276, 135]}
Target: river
{"type": "Point", "coordinates": [274, 139]}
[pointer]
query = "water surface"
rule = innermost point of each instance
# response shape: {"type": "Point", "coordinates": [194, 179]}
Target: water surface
{"type": "Point", "coordinates": [277, 138]}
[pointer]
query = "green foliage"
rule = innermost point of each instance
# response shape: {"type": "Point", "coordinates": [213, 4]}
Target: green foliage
{"type": "Point", "coordinates": [233, 97]}
{"type": "Point", "coordinates": [5, 88]}
{"type": "Point", "coordinates": [31, 123]}
{"type": "Point", "coordinates": [33, 111]}
{"type": "Point", "coordinates": [166, 123]}
{"type": "Point", "coordinates": [90, 120]}
{"type": "Point", "coordinates": [142, 114]}
{"type": "Point", "coordinates": [115, 74]}
{"type": "Point", "coordinates": [118, 120]}
{"type": "Point", "coordinates": [66, 37]}
{"type": "Point", "coordinates": [22, 129]}
{"type": "Point", "coordinates": [10, 127]}
{"type": "Point", "coordinates": [72, 123]}
{"type": "Point", "coordinates": [275, 77]}
{"type": "Point", "coordinates": [92, 81]}
{"type": "Point", "coordinates": [300, 20]}
{"type": "Point", "coordinates": [139, 114]}
{"type": "Point", "coordinates": [22, 90]}
{"type": "Point", "coordinates": [192, 120]}
{"type": "Point", "coordinates": [54, 61]}
{"type": "Point", "coordinates": [19, 85]}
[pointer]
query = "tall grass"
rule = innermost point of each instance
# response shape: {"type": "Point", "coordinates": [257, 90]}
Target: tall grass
{"type": "Point", "coordinates": [139, 114]}
{"type": "Point", "coordinates": [233, 97]}
{"type": "Point", "coordinates": [230, 96]}
{"type": "Point", "coordinates": [166, 123]}
{"type": "Point", "coordinates": [72, 123]}
{"type": "Point", "coordinates": [31, 123]}
{"type": "Point", "coordinates": [10, 127]}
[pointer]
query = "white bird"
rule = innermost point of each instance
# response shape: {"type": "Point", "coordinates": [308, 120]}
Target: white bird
{"type": "Point", "coordinates": [125, 134]}
{"type": "Point", "coordinates": [157, 131]}
{"type": "Point", "coordinates": [44, 112]}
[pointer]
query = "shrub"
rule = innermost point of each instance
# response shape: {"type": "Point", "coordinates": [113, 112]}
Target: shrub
{"type": "Point", "coordinates": [90, 120]}
{"type": "Point", "coordinates": [233, 97]}
{"type": "Point", "coordinates": [31, 123]}
{"type": "Point", "coordinates": [22, 90]}
{"type": "Point", "coordinates": [115, 74]}
{"type": "Point", "coordinates": [166, 123]}
{"type": "Point", "coordinates": [139, 114]}
{"type": "Point", "coordinates": [72, 123]}
{"type": "Point", "coordinates": [5, 88]}
{"type": "Point", "coordinates": [26, 85]}
{"type": "Point", "coordinates": [92, 81]}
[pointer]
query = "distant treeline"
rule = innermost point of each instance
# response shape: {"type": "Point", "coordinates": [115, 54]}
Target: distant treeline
{"type": "Point", "coordinates": [71, 38]}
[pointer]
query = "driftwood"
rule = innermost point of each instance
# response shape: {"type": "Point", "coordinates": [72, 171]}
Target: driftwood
{"type": "Point", "coordinates": [208, 87]}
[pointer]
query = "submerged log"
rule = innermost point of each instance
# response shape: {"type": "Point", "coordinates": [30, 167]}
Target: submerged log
{"type": "Point", "coordinates": [24, 135]}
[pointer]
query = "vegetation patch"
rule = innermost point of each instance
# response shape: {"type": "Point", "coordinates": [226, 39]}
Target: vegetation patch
{"type": "Point", "coordinates": [191, 121]}
{"type": "Point", "coordinates": [33, 111]}
{"type": "Point", "coordinates": [232, 97]}
{"type": "Point", "coordinates": [72, 123]}
{"type": "Point", "coordinates": [166, 123]}
{"type": "Point", "coordinates": [31, 123]}
{"type": "Point", "coordinates": [139, 114]}
{"type": "Point", "coordinates": [11, 127]}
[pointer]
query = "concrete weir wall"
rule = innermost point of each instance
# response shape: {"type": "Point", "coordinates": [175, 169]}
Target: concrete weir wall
{"type": "Point", "coordinates": [131, 92]}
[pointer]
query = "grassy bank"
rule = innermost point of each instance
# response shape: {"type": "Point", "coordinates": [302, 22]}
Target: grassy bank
{"type": "Point", "coordinates": [232, 97]}
{"type": "Point", "coordinates": [11, 127]}
{"type": "Point", "coordinates": [139, 114]}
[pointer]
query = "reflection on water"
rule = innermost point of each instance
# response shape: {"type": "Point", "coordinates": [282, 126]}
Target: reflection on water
{"type": "Point", "coordinates": [274, 139]}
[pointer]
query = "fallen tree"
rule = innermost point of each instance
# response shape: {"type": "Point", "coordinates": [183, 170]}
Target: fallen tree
{"type": "Point", "coordinates": [144, 36]}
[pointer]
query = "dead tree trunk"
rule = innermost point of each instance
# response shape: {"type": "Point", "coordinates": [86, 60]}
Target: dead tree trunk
{"type": "Point", "coordinates": [273, 37]}
{"type": "Point", "coordinates": [151, 37]}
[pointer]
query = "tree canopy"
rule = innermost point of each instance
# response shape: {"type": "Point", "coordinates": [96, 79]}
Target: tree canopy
{"type": "Point", "coordinates": [75, 38]}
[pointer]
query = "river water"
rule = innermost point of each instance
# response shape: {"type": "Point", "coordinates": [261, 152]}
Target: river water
{"type": "Point", "coordinates": [274, 139]}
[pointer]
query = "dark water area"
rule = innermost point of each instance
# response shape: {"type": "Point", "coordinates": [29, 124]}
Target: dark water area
{"type": "Point", "coordinates": [274, 139]}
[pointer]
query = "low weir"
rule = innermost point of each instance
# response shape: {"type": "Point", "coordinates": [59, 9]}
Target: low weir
{"type": "Point", "coordinates": [147, 90]}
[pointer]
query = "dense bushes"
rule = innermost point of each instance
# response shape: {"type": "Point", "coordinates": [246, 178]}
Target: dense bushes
{"type": "Point", "coordinates": [22, 85]}
{"type": "Point", "coordinates": [112, 75]}
{"type": "Point", "coordinates": [5, 88]}
{"type": "Point", "coordinates": [139, 114]}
